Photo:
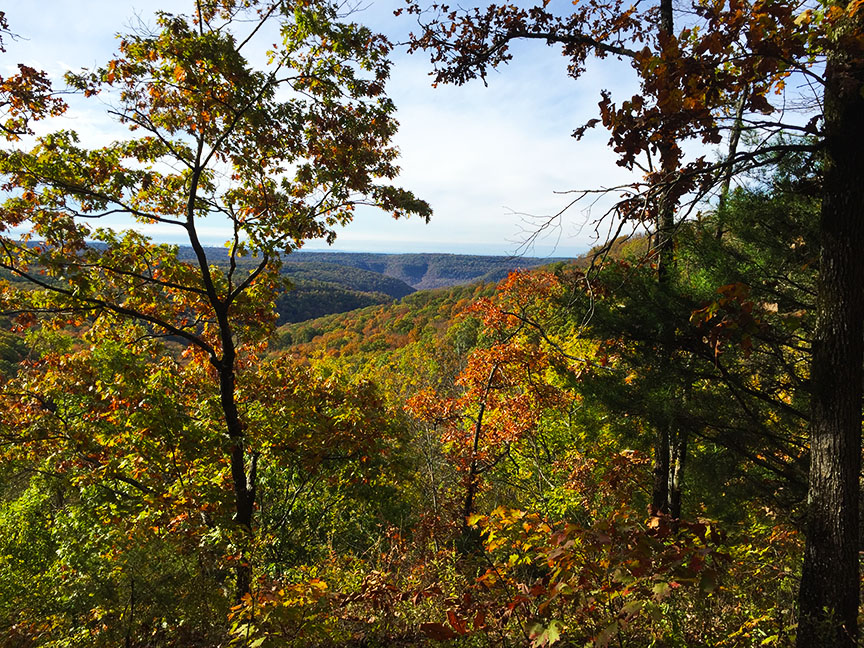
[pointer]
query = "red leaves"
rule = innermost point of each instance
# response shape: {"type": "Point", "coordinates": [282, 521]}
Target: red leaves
{"type": "Point", "coordinates": [459, 625]}
{"type": "Point", "coordinates": [465, 618]}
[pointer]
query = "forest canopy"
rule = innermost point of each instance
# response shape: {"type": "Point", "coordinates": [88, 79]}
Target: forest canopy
{"type": "Point", "coordinates": [657, 444]}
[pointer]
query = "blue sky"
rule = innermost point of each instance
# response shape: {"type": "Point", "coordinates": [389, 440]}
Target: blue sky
{"type": "Point", "coordinates": [487, 159]}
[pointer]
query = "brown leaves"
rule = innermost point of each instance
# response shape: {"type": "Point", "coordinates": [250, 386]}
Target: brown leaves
{"type": "Point", "coordinates": [25, 97]}
{"type": "Point", "coordinates": [437, 631]}
{"type": "Point", "coordinates": [688, 80]}
{"type": "Point", "coordinates": [729, 318]}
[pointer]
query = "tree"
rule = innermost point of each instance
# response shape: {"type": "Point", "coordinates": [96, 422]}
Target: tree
{"type": "Point", "coordinates": [503, 390]}
{"type": "Point", "coordinates": [734, 373]}
{"type": "Point", "coordinates": [281, 154]}
{"type": "Point", "coordinates": [728, 55]}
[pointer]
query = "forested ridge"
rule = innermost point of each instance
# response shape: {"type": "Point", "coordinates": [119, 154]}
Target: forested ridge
{"type": "Point", "coordinates": [426, 271]}
{"type": "Point", "coordinates": [325, 282]}
{"type": "Point", "coordinates": [656, 444]}
{"type": "Point", "coordinates": [321, 283]}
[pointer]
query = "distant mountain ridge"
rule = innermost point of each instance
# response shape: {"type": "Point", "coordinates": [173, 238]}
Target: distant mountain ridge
{"type": "Point", "coordinates": [357, 279]}
{"type": "Point", "coordinates": [421, 271]}
{"type": "Point", "coordinates": [325, 283]}
{"type": "Point", "coordinates": [424, 271]}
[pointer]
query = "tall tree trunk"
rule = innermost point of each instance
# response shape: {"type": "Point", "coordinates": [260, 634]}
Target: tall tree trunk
{"type": "Point", "coordinates": [669, 167]}
{"type": "Point", "coordinates": [829, 591]}
{"type": "Point", "coordinates": [473, 471]}
{"type": "Point", "coordinates": [670, 455]}
{"type": "Point", "coordinates": [469, 539]}
{"type": "Point", "coordinates": [243, 484]}
{"type": "Point", "coordinates": [664, 245]}
{"type": "Point", "coordinates": [660, 488]}
{"type": "Point", "coordinates": [677, 461]}
{"type": "Point", "coordinates": [734, 139]}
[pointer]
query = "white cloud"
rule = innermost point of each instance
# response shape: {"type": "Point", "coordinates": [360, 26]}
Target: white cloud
{"type": "Point", "coordinates": [480, 155]}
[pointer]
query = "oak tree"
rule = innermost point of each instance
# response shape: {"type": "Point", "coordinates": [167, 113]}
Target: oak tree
{"type": "Point", "coordinates": [274, 143]}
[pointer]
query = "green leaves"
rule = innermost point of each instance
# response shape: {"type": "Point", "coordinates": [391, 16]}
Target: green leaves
{"type": "Point", "coordinates": [545, 634]}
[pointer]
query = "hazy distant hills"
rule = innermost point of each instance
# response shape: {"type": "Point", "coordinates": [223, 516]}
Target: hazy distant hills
{"type": "Point", "coordinates": [355, 278]}
{"type": "Point", "coordinates": [336, 282]}
{"type": "Point", "coordinates": [425, 271]}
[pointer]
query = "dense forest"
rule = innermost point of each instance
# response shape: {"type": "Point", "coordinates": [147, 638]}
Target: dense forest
{"type": "Point", "coordinates": [656, 444]}
{"type": "Point", "coordinates": [322, 283]}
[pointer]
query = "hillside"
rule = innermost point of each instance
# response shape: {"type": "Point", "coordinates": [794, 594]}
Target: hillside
{"type": "Point", "coordinates": [310, 298]}
{"type": "Point", "coordinates": [383, 327]}
{"type": "Point", "coordinates": [358, 279]}
{"type": "Point", "coordinates": [426, 271]}
{"type": "Point", "coordinates": [323, 288]}
{"type": "Point", "coordinates": [421, 271]}
{"type": "Point", "coordinates": [325, 283]}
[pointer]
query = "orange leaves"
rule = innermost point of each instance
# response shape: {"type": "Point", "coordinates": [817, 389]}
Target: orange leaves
{"type": "Point", "coordinates": [426, 404]}
{"type": "Point", "coordinates": [503, 393]}
{"type": "Point", "coordinates": [610, 573]}
{"type": "Point", "coordinates": [25, 97]}
{"type": "Point", "coordinates": [179, 74]}
{"type": "Point", "coordinates": [854, 7]}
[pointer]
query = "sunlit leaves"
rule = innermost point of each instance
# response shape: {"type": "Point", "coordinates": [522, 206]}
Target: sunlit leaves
{"type": "Point", "coordinates": [25, 96]}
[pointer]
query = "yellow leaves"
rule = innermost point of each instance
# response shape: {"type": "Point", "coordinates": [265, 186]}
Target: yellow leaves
{"type": "Point", "coordinates": [805, 18]}
{"type": "Point", "coordinates": [854, 7]}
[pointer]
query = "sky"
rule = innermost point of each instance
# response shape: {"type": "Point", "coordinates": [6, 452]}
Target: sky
{"type": "Point", "coordinates": [492, 161]}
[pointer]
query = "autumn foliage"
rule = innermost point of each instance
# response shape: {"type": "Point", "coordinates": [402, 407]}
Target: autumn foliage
{"type": "Point", "coordinates": [611, 452]}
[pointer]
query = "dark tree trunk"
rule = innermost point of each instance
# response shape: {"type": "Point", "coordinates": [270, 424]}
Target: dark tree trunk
{"type": "Point", "coordinates": [665, 243]}
{"type": "Point", "coordinates": [670, 455]}
{"type": "Point", "coordinates": [829, 592]}
{"type": "Point", "coordinates": [470, 539]}
{"type": "Point", "coordinates": [243, 484]}
{"type": "Point", "coordinates": [660, 489]}
{"type": "Point", "coordinates": [473, 470]}
{"type": "Point", "coordinates": [665, 249]}
{"type": "Point", "coordinates": [677, 460]}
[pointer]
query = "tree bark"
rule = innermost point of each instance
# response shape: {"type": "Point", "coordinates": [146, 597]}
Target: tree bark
{"type": "Point", "coordinates": [677, 461]}
{"type": "Point", "coordinates": [669, 166]}
{"type": "Point", "coordinates": [244, 485]}
{"type": "Point", "coordinates": [474, 468]}
{"type": "Point", "coordinates": [670, 455]}
{"type": "Point", "coordinates": [734, 139]}
{"type": "Point", "coordinates": [829, 591]}
{"type": "Point", "coordinates": [660, 489]}
{"type": "Point", "coordinates": [664, 245]}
